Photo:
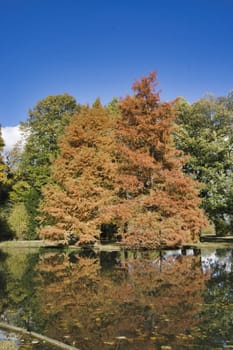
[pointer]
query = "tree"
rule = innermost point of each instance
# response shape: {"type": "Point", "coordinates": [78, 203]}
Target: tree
{"type": "Point", "coordinates": [46, 122]}
{"type": "Point", "coordinates": [158, 204]}
{"type": "Point", "coordinates": [206, 134]}
{"type": "Point", "coordinates": [5, 231]}
{"type": "Point", "coordinates": [146, 301]}
{"type": "Point", "coordinates": [112, 106]}
{"type": "Point", "coordinates": [82, 177]}
{"type": "Point", "coordinates": [31, 166]}
{"type": "Point", "coordinates": [217, 302]}
{"type": "Point", "coordinates": [3, 175]}
{"type": "Point", "coordinates": [124, 174]}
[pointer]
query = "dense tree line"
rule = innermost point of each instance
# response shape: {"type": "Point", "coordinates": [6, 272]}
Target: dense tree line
{"type": "Point", "coordinates": [5, 229]}
{"type": "Point", "coordinates": [30, 168]}
{"type": "Point", "coordinates": [138, 170]}
{"type": "Point", "coordinates": [206, 133]}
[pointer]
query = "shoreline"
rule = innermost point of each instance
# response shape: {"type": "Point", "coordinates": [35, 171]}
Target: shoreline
{"type": "Point", "coordinates": [205, 242]}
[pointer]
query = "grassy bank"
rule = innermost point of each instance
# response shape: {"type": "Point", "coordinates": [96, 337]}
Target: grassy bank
{"type": "Point", "coordinates": [224, 242]}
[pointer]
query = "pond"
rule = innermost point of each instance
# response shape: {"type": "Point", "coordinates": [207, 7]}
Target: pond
{"type": "Point", "coordinates": [119, 300]}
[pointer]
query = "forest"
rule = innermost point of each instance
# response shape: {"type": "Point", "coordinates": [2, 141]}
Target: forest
{"type": "Point", "coordinates": [138, 171]}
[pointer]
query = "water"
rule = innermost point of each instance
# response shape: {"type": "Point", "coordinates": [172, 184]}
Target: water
{"type": "Point", "coordinates": [120, 300]}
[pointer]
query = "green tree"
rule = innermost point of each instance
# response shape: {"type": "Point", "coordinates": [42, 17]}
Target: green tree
{"type": "Point", "coordinates": [205, 134]}
{"type": "Point", "coordinates": [5, 231]}
{"type": "Point", "coordinates": [45, 124]}
{"type": "Point", "coordinates": [3, 176]}
{"type": "Point", "coordinates": [113, 106]}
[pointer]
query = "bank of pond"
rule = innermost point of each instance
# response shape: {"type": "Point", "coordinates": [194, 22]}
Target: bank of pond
{"type": "Point", "coordinates": [94, 299]}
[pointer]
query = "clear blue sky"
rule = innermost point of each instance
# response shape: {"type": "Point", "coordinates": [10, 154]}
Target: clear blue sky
{"type": "Point", "coordinates": [91, 48]}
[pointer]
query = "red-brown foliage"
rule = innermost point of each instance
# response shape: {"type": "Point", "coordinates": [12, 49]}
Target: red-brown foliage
{"type": "Point", "coordinates": [126, 171]}
{"type": "Point", "coordinates": [148, 299]}
{"type": "Point", "coordinates": [158, 203]}
{"type": "Point", "coordinates": [82, 177]}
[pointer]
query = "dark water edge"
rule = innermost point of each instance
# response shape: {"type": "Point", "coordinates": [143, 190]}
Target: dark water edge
{"type": "Point", "coordinates": [206, 241]}
{"type": "Point", "coordinates": [179, 299]}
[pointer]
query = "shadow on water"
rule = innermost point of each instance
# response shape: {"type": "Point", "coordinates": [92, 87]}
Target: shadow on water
{"type": "Point", "coordinates": [122, 299]}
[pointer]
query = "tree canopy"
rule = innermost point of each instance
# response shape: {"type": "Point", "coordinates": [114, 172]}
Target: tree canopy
{"type": "Point", "coordinates": [5, 231]}
{"type": "Point", "coordinates": [82, 176]}
{"type": "Point", "coordinates": [137, 170]}
{"type": "Point", "coordinates": [45, 123]}
{"type": "Point", "coordinates": [158, 203]}
{"type": "Point", "coordinates": [31, 164]}
{"type": "Point", "coordinates": [123, 171]}
{"type": "Point", "coordinates": [206, 135]}
{"type": "Point", "coordinates": [3, 176]}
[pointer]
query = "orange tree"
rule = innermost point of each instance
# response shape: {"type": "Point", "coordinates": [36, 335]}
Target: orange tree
{"type": "Point", "coordinates": [82, 177]}
{"type": "Point", "coordinates": [146, 300]}
{"type": "Point", "coordinates": [123, 171]}
{"type": "Point", "coordinates": [157, 204]}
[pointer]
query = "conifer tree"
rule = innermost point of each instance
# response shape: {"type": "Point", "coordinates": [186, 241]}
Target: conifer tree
{"type": "Point", "coordinates": [82, 177]}
{"type": "Point", "coordinates": [158, 203]}
{"type": "Point", "coordinates": [123, 171]}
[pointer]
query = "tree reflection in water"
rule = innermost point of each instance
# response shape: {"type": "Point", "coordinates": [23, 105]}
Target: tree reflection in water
{"type": "Point", "coordinates": [121, 300]}
{"type": "Point", "coordinates": [217, 312]}
{"type": "Point", "coordinates": [143, 298]}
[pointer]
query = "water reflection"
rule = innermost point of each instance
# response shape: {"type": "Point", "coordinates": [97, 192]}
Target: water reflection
{"type": "Point", "coordinates": [121, 300]}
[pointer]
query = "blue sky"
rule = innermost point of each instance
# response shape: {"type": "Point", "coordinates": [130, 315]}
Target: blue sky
{"type": "Point", "coordinates": [91, 48]}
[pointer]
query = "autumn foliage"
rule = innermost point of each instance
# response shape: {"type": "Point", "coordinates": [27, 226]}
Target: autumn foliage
{"type": "Point", "coordinates": [82, 177]}
{"type": "Point", "coordinates": [147, 298]}
{"type": "Point", "coordinates": [158, 203]}
{"type": "Point", "coordinates": [124, 171]}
